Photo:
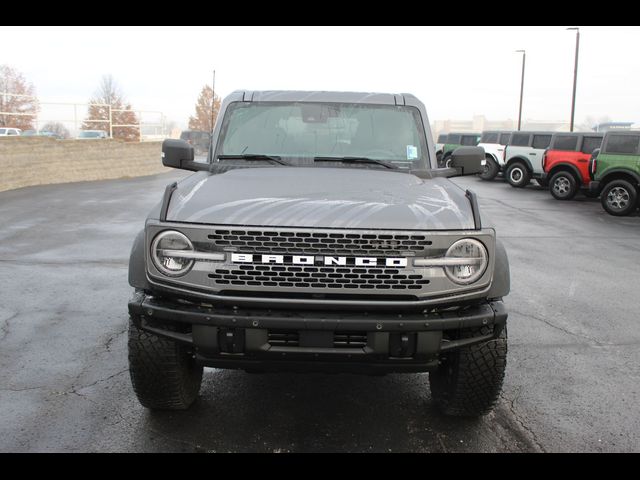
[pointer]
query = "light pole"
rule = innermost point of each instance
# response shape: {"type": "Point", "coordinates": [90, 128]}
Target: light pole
{"type": "Point", "coordinates": [575, 76]}
{"type": "Point", "coordinates": [524, 56]}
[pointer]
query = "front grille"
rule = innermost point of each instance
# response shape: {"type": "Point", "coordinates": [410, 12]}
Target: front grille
{"type": "Point", "coordinates": [349, 339]}
{"type": "Point", "coordinates": [291, 338]}
{"type": "Point", "coordinates": [329, 243]}
{"type": "Point", "coordinates": [288, 276]}
{"type": "Point", "coordinates": [283, 338]}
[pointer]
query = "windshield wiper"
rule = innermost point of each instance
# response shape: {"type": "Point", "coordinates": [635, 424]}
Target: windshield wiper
{"type": "Point", "coordinates": [355, 160]}
{"type": "Point", "coordinates": [254, 156]}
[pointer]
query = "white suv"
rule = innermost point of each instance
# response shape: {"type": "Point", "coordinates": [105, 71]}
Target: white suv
{"type": "Point", "coordinates": [5, 132]}
{"type": "Point", "coordinates": [494, 143]}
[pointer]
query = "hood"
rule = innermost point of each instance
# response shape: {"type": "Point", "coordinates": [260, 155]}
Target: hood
{"type": "Point", "coordinates": [323, 198]}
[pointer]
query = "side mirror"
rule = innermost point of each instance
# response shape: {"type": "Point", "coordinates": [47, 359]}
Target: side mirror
{"type": "Point", "coordinates": [467, 160]}
{"type": "Point", "coordinates": [179, 154]}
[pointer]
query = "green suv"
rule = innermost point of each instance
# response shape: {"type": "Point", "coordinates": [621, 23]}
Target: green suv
{"type": "Point", "coordinates": [453, 141]}
{"type": "Point", "coordinates": [615, 172]}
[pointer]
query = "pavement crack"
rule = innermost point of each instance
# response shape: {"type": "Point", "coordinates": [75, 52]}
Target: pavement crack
{"type": "Point", "coordinates": [25, 389]}
{"type": "Point", "coordinates": [512, 409]}
{"type": "Point", "coordinates": [110, 340]}
{"type": "Point", "coordinates": [564, 330]}
{"type": "Point", "coordinates": [5, 325]}
{"type": "Point", "coordinates": [196, 447]}
{"type": "Point", "coordinates": [76, 388]}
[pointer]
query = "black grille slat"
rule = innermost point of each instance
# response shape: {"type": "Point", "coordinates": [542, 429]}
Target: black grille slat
{"type": "Point", "coordinates": [302, 243]}
{"type": "Point", "coordinates": [349, 339]}
{"type": "Point", "coordinates": [324, 277]}
{"type": "Point", "coordinates": [284, 338]}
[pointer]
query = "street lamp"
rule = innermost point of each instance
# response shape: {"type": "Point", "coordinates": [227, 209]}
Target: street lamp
{"type": "Point", "coordinates": [524, 55]}
{"type": "Point", "coordinates": [575, 77]}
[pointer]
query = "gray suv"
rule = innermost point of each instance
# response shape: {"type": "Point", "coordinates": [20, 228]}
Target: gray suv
{"type": "Point", "coordinates": [319, 236]}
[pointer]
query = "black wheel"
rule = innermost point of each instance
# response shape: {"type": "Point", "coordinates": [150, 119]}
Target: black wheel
{"type": "Point", "coordinates": [518, 175]}
{"type": "Point", "coordinates": [163, 373]}
{"type": "Point", "coordinates": [490, 169]}
{"type": "Point", "coordinates": [469, 380]}
{"type": "Point", "coordinates": [563, 186]}
{"type": "Point", "coordinates": [619, 198]}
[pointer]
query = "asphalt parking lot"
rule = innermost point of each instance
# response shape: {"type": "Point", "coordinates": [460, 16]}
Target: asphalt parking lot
{"type": "Point", "coordinates": [573, 376]}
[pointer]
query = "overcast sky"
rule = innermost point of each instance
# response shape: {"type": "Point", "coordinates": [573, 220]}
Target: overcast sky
{"type": "Point", "coordinates": [456, 71]}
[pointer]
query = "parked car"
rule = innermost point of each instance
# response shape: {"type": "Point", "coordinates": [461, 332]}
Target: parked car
{"type": "Point", "coordinates": [455, 140]}
{"type": "Point", "coordinates": [40, 133]}
{"type": "Point", "coordinates": [440, 142]}
{"type": "Point", "coordinates": [92, 134]}
{"type": "Point", "coordinates": [320, 236]}
{"type": "Point", "coordinates": [523, 158]}
{"type": "Point", "coordinates": [494, 143]}
{"type": "Point", "coordinates": [614, 170]}
{"type": "Point", "coordinates": [199, 139]}
{"type": "Point", "coordinates": [9, 131]}
{"type": "Point", "coordinates": [566, 163]}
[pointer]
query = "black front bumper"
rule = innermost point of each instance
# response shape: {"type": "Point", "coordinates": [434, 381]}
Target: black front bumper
{"type": "Point", "coordinates": [244, 338]}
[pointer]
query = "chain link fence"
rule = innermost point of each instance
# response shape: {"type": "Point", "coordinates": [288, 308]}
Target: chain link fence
{"type": "Point", "coordinates": [151, 124]}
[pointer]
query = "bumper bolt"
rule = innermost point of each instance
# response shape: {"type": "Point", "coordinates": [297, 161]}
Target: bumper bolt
{"type": "Point", "coordinates": [149, 312]}
{"type": "Point", "coordinates": [255, 323]}
{"type": "Point", "coordinates": [378, 327]}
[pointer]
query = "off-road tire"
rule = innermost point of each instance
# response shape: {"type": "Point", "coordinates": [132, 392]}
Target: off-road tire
{"type": "Point", "coordinates": [469, 380]}
{"type": "Point", "coordinates": [518, 175]}
{"type": "Point", "coordinates": [490, 170]}
{"type": "Point", "coordinates": [619, 198]}
{"type": "Point", "coordinates": [563, 185]}
{"type": "Point", "coordinates": [163, 372]}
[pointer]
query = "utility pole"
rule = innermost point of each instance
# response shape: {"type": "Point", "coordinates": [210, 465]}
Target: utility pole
{"type": "Point", "coordinates": [575, 77]}
{"type": "Point", "coordinates": [524, 55]}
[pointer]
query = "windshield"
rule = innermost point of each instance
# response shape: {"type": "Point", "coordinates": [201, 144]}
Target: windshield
{"type": "Point", "coordinates": [301, 131]}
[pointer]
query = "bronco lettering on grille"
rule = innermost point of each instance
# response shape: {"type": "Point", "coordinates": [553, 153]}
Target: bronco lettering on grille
{"type": "Point", "coordinates": [314, 260]}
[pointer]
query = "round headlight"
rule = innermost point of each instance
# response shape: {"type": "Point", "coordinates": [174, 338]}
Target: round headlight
{"type": "Point", "coordinates": [469, 261]}
{"type": "Point", "coordinates": [166, 251]}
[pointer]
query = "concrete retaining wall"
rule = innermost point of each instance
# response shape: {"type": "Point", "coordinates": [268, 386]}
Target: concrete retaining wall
{"type": "Point", "coordinates": [26, 161]}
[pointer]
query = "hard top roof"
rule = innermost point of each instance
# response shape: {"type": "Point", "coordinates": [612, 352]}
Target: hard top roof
{"type": "Point", "coordinates": [532, 132]}
{"type": "Point", "coordinates": [578, 134]}
{"type": "Point", "coordinates": [622, 132]}
{"type": "Point", "coordinates": [323, 96]}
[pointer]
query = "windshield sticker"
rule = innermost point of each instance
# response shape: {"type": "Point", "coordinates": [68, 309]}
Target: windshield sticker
{"type": "Point", "coordinates": [412, 152]}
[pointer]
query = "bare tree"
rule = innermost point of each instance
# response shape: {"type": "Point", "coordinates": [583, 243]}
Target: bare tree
{"type": "Point", "coordinates": [16, 96]}
{"type": "Point", "coordinates": [109, 96]}
{"type": "Point", "coordinates": [58, 128]}
{"type": "Point", "coordinates": [202, 120]}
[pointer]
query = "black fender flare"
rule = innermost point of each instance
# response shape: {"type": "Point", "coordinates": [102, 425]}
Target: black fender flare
{"type": "Point", "coordinates": [566, 166]}
{"type": "Point", "coordinates": [501, 284]}
{"type": "Point", "coordinates": [619, 172]}
{"type": "Point", "coordinates": [526, 162]}
{"type": "Point", "coordinates": [137, 268]}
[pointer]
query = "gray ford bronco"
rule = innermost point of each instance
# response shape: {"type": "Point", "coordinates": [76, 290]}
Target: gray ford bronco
{"type": "Point", "coordinates": [320, 235]}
